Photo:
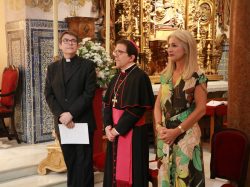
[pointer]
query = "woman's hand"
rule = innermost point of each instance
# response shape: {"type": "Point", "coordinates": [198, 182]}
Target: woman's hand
{"type": "Point", "coordinates": [168, 135]}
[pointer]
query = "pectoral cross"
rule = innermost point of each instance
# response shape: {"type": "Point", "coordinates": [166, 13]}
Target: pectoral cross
{"type": "Point", "coordinates": [114, 100]}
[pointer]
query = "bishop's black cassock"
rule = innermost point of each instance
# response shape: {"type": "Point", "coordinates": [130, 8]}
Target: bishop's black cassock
{"type": "Point", "coordinates": [130, 92]}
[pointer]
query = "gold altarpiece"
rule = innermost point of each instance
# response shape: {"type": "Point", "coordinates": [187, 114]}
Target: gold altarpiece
{"type": "Point", "coordinates": [148, 23]}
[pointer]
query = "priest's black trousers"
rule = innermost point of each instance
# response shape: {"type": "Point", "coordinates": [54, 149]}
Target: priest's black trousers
{"type": "Point", "coordinates": [79, 162]}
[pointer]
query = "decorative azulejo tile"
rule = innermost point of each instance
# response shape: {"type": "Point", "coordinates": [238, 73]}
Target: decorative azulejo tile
{"type": "Point", "coordinates": [31, 49]}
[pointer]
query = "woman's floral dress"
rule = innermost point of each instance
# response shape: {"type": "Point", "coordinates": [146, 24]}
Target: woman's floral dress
{"type": "Point", "coordinates": [180, 164]}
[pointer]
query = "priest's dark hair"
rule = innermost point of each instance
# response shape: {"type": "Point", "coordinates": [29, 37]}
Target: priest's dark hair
{"type": "Point", "coordinates": [69, 33]}
{"type": "Point", "coordinates": [132, 49]}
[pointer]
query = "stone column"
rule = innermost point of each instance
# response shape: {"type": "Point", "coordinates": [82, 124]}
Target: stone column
{"type": "Point", "coordinates": [107, 19]}
{"type": "Point", "coordinates": [55, 27]}
{"type": "Point", "coordinates": [239, 67]}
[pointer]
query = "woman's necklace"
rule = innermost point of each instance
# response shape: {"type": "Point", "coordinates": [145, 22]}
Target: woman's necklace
{"type": "Point", "coordinates": [114, 100]}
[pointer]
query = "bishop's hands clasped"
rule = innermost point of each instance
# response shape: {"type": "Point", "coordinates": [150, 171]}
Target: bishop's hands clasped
{"type": "Point", "coordinates": [111, 133]}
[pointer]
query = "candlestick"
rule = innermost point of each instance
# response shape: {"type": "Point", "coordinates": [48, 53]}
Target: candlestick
{"type": "Point", "coordinates": [154, 26]}
{"type": "Point", "coordinates": [198, 27]}
{"type": "Point", "coordinates": [209, 28]}
{"type": "Point", "coordinates": [122, 21]}
{"type": "Point", "coordinates": [136, 24]}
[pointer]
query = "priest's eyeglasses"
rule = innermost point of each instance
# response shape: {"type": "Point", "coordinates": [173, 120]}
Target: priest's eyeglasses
{"type": "Point", "coordinates": [118, 52]}
{"type": "Point", "coordinates": [67, 41]}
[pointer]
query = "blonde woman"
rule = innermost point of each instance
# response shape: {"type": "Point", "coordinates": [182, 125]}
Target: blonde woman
{"type": "Point", "coordinates": [180, 104]}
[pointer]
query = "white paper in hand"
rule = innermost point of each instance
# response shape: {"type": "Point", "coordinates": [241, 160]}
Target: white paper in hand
{"type": "Point", "coordinates": [77, 135]}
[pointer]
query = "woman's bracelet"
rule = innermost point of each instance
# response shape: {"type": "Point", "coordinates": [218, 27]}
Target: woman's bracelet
{"type": "Point", "coordinates": [181, 129]}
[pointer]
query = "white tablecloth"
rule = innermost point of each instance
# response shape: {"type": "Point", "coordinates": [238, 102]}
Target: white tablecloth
{"type": "Point", "coordinates": [212, 86]}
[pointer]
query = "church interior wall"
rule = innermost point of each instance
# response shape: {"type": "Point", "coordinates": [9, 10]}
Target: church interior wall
{"type": "Point", "coordinates": [16, 10]}
{"type": "Point", "coordinates": [29, 45]}
{"type": "Point", "coordinates": [34, 121]}
{"type": "Point", "coordinates": [29, 39]}
{"type": "Point", "coordinates": [3, 48]}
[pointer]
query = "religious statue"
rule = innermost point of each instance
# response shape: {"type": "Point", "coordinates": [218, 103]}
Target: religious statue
{"type": "Point", "coordinates": [98, 5]}
{"type": "Point", "coordinates": [167, 15]}
{"type": "Point", "coordinates": [223, 11]}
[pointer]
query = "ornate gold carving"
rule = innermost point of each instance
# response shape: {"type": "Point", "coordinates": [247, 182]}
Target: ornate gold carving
{"type": "Point", "coordinates": [206, 9]}
{"type": "Point", "coordinates": [146, 21]}
{"type": "Point", "coordinates": [75, 2]}
{"type": "Point", "coordinates": [223, 11]}
{"type": "Point", "coordinates": [202, 23]}
{"type": "Point", "coordinates": [169, 14]}
{"type": "Point", "coordinates": [54, 161]}
{"type": "Point", "coordinates": [45, 5]}
{"type": "Point", "coordinates": [74, 6]}
{"type": "Point", "coordinates": [83, 26]}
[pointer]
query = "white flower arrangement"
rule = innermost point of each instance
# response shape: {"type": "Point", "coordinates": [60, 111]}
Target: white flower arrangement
{"type": "Point", "coordinates": [95, 52]}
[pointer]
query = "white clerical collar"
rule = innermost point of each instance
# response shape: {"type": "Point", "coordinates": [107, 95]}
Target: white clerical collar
{"type": "Point", "coordinates": [123, 70]}
{"type": "Point", "coordinates": [68, 60]}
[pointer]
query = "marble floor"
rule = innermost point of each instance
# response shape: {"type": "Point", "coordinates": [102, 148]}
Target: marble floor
{"type": "Point", "coordinates": [18, 166]}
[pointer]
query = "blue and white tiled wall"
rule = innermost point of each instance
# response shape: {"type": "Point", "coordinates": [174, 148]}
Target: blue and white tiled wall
{"type": "Point", "coordinates": [223, 64]}
{"type": "Point", "coordinates": [30, 47]}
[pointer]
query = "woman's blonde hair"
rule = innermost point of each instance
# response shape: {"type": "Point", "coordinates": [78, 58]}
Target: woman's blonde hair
{"type": "Point", "coordinates": [190, 48]}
